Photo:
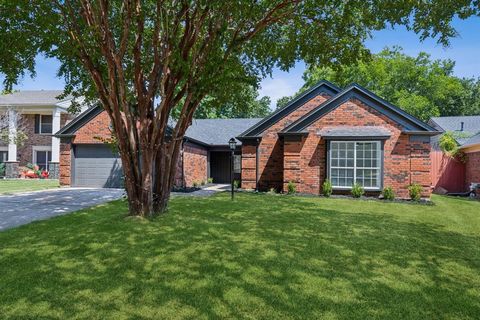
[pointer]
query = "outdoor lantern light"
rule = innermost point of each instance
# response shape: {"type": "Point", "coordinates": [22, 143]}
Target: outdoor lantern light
{"type": "Point", "coordinates": [232, 144]}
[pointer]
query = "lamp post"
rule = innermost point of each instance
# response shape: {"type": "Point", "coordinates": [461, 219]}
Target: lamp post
{"type": "Point", "coordinates": [232, 143]}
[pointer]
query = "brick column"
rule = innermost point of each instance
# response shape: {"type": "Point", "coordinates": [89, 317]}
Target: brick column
{"type": "Point", "coordinates": [292, 146]}
{"type": "Point", "coordinates": [11, 170]}
{"type": "Point", "coordinates": [249, 166]}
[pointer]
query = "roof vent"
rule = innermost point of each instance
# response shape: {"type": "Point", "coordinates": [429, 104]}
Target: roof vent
{"type": "Point", "coordinates": [461, 125]}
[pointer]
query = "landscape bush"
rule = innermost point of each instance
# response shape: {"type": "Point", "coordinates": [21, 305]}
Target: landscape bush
{"type": "Point", "coordinates": [415, 191]}
{"type": "Point", "coordinates": [291, 187]}
{"type": "Point", "coordinates": [357, 190]}
{"type": "Point", "coordinates": [327, 188]}
{"type": "Point", "coordinates": [388, 193]}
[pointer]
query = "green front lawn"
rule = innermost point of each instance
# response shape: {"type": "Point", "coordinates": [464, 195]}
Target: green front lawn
{"type": "Point", "coordinates": [262, 256]}
{"type": "Point", "coordinates": [26, 185]}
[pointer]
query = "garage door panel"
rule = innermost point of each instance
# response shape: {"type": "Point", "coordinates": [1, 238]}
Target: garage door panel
{"type": "Point", "coordinates": [97, 166]}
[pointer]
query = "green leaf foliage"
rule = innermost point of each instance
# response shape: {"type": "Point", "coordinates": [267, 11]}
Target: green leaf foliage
{"type": "Point", "coordinates": [420, 85]}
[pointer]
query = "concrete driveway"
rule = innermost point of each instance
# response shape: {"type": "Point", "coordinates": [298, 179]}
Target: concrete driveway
{"type": "Point", "coordinates": [22, 208]}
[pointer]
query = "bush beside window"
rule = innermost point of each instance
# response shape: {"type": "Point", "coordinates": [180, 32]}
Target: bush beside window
{"type": "Point", "coordinates": [388, 193]}
{"type": "Point", "coordinates": [327, 188]}
{"type": "Point", "coordinates": [357, 190]}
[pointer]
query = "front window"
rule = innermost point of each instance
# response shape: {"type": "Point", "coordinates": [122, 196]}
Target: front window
{"type": "Point", "coordinates": [355, 161]}
{"type": "Point", "coordinates": [45, 124]}
{"type": "Point", "coordinates": [42, 158]}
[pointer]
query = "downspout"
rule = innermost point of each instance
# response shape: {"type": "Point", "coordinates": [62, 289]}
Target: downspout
{"type": "Point", "coordinates": [257, 151]}
{"type": "Point", "coordinates": [183, 165]}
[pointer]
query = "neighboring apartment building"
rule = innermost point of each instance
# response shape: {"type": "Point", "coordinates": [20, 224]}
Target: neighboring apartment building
{"type": "Point", "coordinates": [39, 115]}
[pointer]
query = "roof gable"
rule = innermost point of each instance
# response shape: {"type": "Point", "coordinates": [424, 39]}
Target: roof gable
{"type": "Point", "coordinates": [321, 87]}
{"type": "Point", "coordinates": [79, 121]}
{"type": "Point", "coordinates": [355, 91]}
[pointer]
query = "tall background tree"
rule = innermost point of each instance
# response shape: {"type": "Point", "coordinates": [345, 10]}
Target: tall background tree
{"type": "Point", "coordinates": [144, 59]}
{"type": "Point", "coordinates": [422, 86]}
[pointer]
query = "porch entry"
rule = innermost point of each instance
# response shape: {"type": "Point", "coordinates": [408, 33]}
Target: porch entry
{"type": "Point", "coordinates": [220, 166]}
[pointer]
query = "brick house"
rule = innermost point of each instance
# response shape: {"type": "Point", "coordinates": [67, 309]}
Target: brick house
{"type": "Point", "coordinates": [451, 174]}
{"type": "Point", "coordinates": [344, 135]}
{"type": "Point", "coordinates": [86, 161]}
{"type": "Point", "coordinates": [39, 114]}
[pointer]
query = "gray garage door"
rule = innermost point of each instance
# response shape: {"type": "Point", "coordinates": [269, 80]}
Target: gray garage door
{"type": "Point", "coordinates": [96, 166]}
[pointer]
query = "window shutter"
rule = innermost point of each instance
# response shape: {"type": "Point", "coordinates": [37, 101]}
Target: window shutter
{"type": "Point", "coordinates": [37, 123]}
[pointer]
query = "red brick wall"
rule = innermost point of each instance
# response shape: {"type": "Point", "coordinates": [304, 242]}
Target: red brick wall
{"type": "Point", "coordinates": [472, 168]}
{"type": "Point", "coordinates": [405, 162]}
{"type": "Point", "coordinates": [98, 127]}
{"type": "Point", "coordinates": [195, 165]}
{"type": "Point", "coordinates": [195, 156]}
{"type": "Point", "coordinates": [270, 168]}
{"type": "Point", "coordinates": [65, 164]}
{"type": "Point", "coordinates": [249, 158]}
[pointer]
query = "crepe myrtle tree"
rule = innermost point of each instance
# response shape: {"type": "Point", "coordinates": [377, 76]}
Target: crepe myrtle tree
{"type": "Point", "coordinates": [142, 60]}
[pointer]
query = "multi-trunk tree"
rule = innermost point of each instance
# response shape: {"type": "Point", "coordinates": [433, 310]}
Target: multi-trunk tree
{"type": "Point", "coordinates": [143, 59]}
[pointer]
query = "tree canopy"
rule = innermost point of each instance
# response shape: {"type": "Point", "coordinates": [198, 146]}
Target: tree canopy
{"type": "Point", "coordinates": [422, 86]}
{"type": "Point", "coordinates": [143, 60]}
{"type": "Point", "coordinates": [244, 103]}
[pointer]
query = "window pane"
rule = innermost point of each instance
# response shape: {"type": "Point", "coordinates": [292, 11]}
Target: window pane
{"type": "Point", "coordinates": [359, 162]}
{"type": "Point", "coordinates": [41, 157]}
{"type": "Point", "coordinates": [3, 156]}
{"type": "Point", "coordinates": [367, 156]}
{"type": "Point", "coordinates": [46, 124]}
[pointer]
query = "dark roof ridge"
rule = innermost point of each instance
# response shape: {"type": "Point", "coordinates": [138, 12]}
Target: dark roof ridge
{"type": "Point", "coordinates": [294, 103]}
{"type": "Point", "coordinates": [316, 113]}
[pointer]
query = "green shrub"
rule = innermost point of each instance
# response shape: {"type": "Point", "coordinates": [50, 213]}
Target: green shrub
{"type": "Point", "coordinates": [357, 190]}
{"type": "Point", "coordinates": [291, 187]}
{"type": "Point", "coordinates": [2, 169]}
{"type": "Point", "coordinates": [202, 182]}
{"type": "Point", "coordinates": [388, 193]}
{"type": "Point", "coordinates": [327, 188]}
{"type": "Point", "coordinates": [236, 184]}
{"type": "Point", "coordinates": [195, 184]}
{"type": "Point", "coordinates": [210, 180]}
{"type": "Point", "coordinates": [415, 191]}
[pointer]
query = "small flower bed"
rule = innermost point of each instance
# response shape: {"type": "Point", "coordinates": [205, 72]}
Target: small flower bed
{"type": "Point", "coordinates": [31, 171]}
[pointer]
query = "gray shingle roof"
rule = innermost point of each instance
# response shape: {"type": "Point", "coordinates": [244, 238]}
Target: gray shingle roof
{"type": "Point", "coordinates": [219, 131]}
{"type": "Point", "coordinates": [32, 98]}
{"type": "Point", "coordinates": [353, 131]}
{"type": "Point", "coordinates": [471, 126]}
{"type": "Point", "coordinates": [472, 141]}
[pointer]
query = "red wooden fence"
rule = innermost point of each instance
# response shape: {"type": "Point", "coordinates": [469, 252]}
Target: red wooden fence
{"type": "Point", "coordinates": [447, 173]}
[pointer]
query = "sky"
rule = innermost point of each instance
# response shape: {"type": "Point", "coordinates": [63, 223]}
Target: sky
{"type": "Point", "coordinates": [464, 50]}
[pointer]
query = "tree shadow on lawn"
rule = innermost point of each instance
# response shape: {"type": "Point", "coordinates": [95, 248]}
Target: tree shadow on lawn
{"type": "Point", "coordinates": [258, 257]}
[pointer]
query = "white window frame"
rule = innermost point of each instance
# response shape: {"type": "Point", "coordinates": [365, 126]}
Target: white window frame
{"type": "Point", "coordinates": [40, 124]}
{"type": "Point", "coordinates": [354, 168]}
{"type": "Point", "coordinates": [40, 148]}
